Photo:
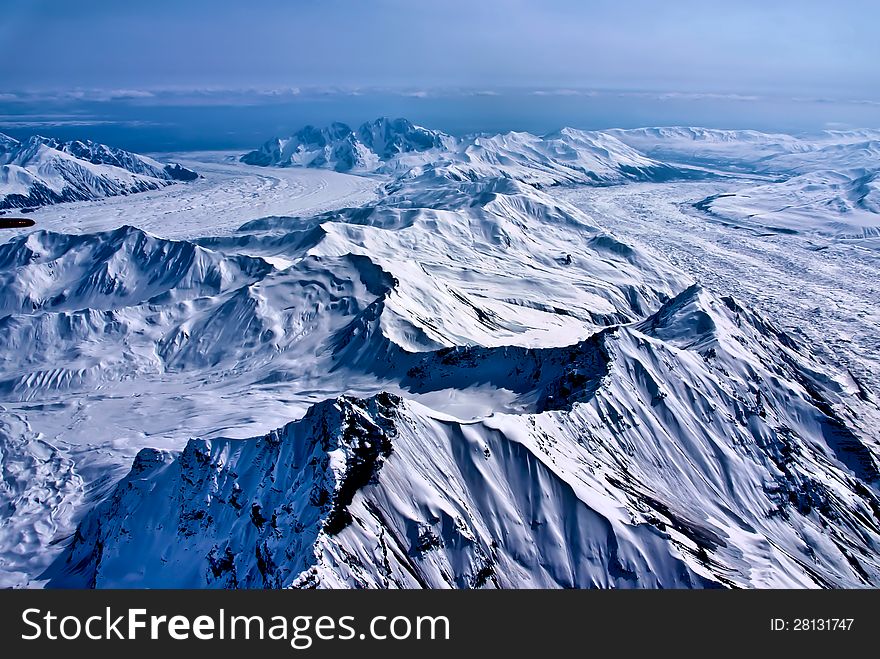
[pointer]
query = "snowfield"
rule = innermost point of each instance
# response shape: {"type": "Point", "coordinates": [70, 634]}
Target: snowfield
{"type": "Point", "coordinates": [227, 195]}
{"type": "Point", "coordinates": [617, 359]}
{"type": "Point", "coordinates": [821, 288]}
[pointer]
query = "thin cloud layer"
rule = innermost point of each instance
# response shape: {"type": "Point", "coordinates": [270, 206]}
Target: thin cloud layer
{"type": "Point", "coordinates": [798, 47]}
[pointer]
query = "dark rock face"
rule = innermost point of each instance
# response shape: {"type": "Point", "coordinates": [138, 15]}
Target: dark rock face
{"type": "Point", "coordinates": [371, 444]}
{"type": "Point", "coordinates": [180, 173]}
{"type": "Point", "coordinates": [277, 493]}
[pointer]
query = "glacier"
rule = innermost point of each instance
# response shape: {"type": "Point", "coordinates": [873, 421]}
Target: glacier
{"type": "Point", "coordinates": [508, 361]}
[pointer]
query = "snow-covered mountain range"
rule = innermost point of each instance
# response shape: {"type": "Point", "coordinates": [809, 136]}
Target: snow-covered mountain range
{"type": "Point", "coordinates": [824, 183]}
{"type": "Point", "coordinates": [44, 171]}
{"type": "Point", "coordinates": [695, 448]}
{"type": "Point", "coordinates": [344, 149]}
{"type": "Point", "coordinates": [464, 382]}
{"type": "Point", "coordinates": [398, 147]}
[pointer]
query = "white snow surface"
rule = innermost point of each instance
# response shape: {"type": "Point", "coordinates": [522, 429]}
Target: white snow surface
{"type": "Point", "coordinates": [227, 194]}
{"type": "Point", "coordinates": [823, 184]}
{"type": "Point", "coordinates": [481, 363]}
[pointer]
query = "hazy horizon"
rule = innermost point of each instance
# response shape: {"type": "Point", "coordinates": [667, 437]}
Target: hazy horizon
{"type": "Point", "coordinates": [168, 76]}
{"type": "Point", "coordinates": [801, 47]}
{"type": "Point", "coordinates": [237, 120]}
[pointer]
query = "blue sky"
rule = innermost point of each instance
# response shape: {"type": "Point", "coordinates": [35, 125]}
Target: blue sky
{"type": "Point", "coordinates": [791, 47]}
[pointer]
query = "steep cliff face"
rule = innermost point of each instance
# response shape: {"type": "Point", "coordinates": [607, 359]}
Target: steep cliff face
{"type": "Point", "coordinates": [696, 448]}
{"type": "Point", "coordinates": [250, 511]}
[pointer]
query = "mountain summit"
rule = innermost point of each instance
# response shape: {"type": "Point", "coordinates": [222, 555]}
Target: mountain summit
{"type": "Point", "coordinates": [342, 148]}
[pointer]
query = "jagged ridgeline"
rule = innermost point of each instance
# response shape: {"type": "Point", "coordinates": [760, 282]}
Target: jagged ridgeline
{"type": "Point", "coordinates": [397, 146]}
{"type": "Point", "coordinates": [473, 386]}
{"type": "Point", "coordinates": [42, 170]}
{"type": "Point", "coordinates": [681, 451]}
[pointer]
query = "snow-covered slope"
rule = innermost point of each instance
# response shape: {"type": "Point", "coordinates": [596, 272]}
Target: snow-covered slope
{"type": "Point", "coordinates": [695, 448]}
{"type": "Point", "coordinates": [473, 385]}
{"type": "Point", "coordinates": [774, 153]}
{"type": "Point", "coordinates": [40, 492]}
{"type": "Point", "coordinates": [46, 271]}
{"type": "Point", "coordinates": [341, 283]}
{"type": "Point", "coordinates": [845, 204]}
{"type": "Point", "coordinates": [45, 171]}
{"type": "Point", "coordinates": [566, 156]}
{"type": "Point", "coordinates": [830, 190]}
{"type": "Point", "coordinates": [709, 145]}
{"type": "Point", "coordinates": [823, 183]}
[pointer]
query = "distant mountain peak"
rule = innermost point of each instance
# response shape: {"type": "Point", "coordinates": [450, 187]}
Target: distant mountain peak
{"type": "Point", "coordinates": [45, 170]}
{"type": "Point", "coordinates": [340, 147]}
{"type": "Point", "coordinates": [400, 147]}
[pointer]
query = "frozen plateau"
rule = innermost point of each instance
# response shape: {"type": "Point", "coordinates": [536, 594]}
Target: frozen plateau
{"type": "Point", "coordinates": [382, 356]}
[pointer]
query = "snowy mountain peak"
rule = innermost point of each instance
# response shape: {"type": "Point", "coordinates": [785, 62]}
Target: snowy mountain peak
{"type": "Point", "coordinates": [7, 144]}
{"type": "Point", "coordinates": [44, 170]}
{"type": "Point", "coordinates": [308, 473]}
{"type": "Point", "coordinates": [672, 466]}
{"type": "Point", "coordinates": [342, 148]}
{"type": "Point", "coordinates": [686, 317]}
{"type": "Point", "coordinates": [476, 382]}
{"type": "Point", "coordinates": [389, 137]}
